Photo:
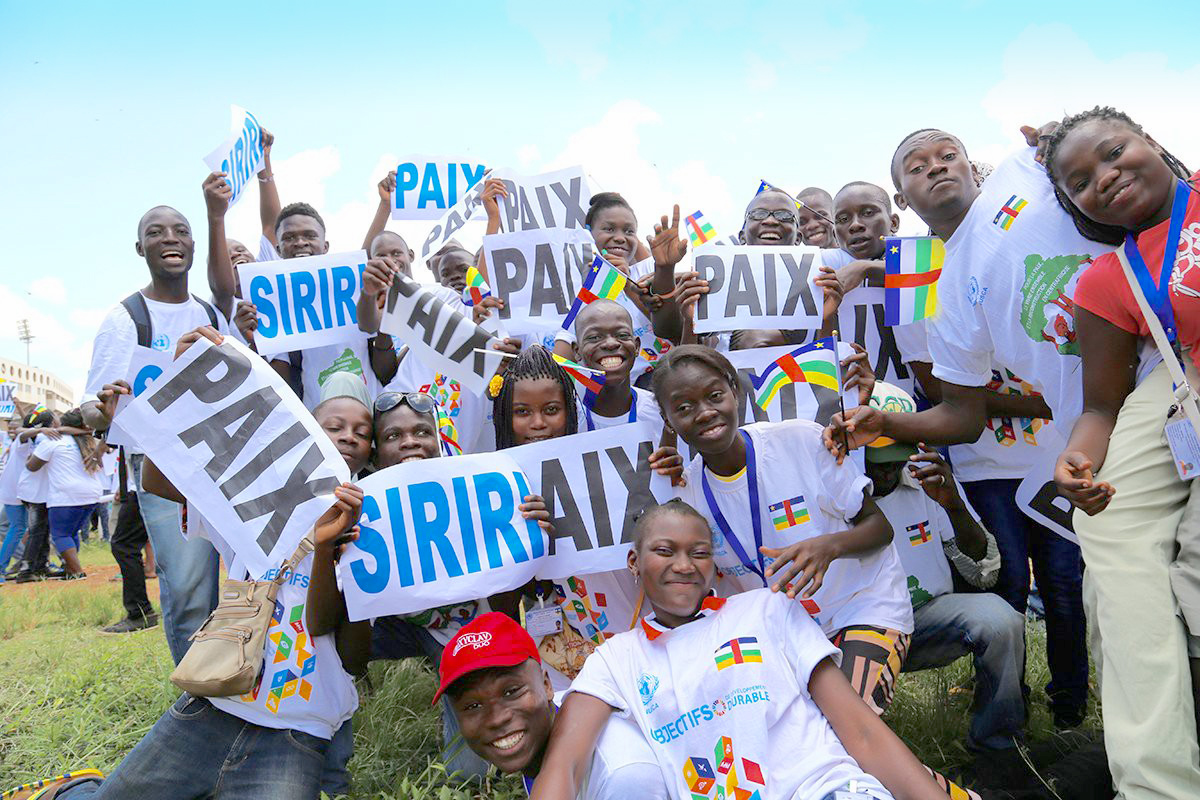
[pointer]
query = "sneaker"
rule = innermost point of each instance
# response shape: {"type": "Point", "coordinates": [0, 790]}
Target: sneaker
{"type": "Point", "coordinates": [53, 573]}
{"type": "Point", "coordinates": [130, 625]}
{"type": "Point", "coordinates": [48, 787]}
{"type": "Point", "coordinates": [74, 576]}
{"type": "Point", "coordinates": [28, 577]}
{"type": "Point", "coordinates": [1067, 718]}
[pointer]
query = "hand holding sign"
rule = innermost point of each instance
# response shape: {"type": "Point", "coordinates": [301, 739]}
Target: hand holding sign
{"type": "Point", "coordinates": [493, 191]}
{"type": "Point", "coordinates": [240, 156]}
{"type": "Point", "coordinates": [759, 287]}
{"type": "Point", "coordinates": [386, 187]}
{"type": "Point", "coordinates": [1076, 481]}
{"type": "Point", "coordinates": [191, 337]}
{"type": "Point", "coordinates": [342, 517]}
{"type": "Point", "coordinates": [110, 395]}
{"type": "Point", "coordinates": [217, 194]}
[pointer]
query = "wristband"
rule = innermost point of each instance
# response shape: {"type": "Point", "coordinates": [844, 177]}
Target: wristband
{"type": "Point", "coordinates": [267, 179]}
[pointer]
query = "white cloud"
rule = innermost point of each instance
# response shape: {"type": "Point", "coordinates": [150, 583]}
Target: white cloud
{"type": "Point", "coordinates": [1142, 84]}
{"type": "Point", "coordinates": [562, 35]}
{"type": "Point", "coordinates": [300, 177]}
{"type": "Point", "coordinates": [62, 340]}
{"type": "Point", "coordinates": [49, 288]}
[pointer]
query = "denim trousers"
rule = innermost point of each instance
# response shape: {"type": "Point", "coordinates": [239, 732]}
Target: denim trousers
{"type": "Point", "coordinates": [15, 516]}
{"type": "Point", "coordinates": [1058, 567]}
{"type": "Point", "coordinates": [952, 625]}
{"type": "Point", "coordinates": [186, 568]}
{"type": "Point", "coordinates": [197, 751]}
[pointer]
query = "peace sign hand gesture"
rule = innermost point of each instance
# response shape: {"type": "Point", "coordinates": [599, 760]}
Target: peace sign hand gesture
{"type": "Point", "coordinates": [666, 245]}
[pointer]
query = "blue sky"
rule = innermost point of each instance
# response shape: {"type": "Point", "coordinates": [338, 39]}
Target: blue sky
{"type": "Point", "coordinates": [109, 109]}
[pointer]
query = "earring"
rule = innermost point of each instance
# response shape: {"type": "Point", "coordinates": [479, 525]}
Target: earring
{"type": "Point", "coordinates": [635, 575]}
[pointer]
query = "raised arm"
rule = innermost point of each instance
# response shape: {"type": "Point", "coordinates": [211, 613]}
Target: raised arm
{"type": "Point", "coordinates": [220, 268]}
{"type": "Point", "coordinates": [268, 193]}
{"type": "Point", "coordinates": [668, 249]}
{"type": "Point", "coordinates": [493, 190]}
{"type": "Point", "coordinates": [572, 741]}
{"type": "Point", "coordinates": [383, 211]}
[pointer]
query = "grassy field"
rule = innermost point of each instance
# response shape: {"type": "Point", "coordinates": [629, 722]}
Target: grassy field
{"type": "Point", "coordinates": [72, 697]}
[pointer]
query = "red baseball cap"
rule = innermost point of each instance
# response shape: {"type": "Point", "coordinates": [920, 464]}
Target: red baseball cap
{"type": "Point", "coordinates": [490, 640]}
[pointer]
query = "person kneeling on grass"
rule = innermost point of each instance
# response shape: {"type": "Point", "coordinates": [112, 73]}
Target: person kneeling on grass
{"type": "Point", "coordinates": [743, 693]}
{"type": "Point", "coordinates": [492, 674]}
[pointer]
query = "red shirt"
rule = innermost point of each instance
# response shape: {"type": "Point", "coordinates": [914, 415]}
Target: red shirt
{"type": "Point", "coordinates": [1104, 291]}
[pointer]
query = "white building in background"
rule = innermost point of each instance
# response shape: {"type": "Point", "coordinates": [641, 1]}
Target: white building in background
{"type": "Point", "coordinates": [35, 385]}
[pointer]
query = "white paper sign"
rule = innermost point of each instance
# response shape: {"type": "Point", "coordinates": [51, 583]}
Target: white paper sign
{"type": "Point", "coordinates": [8, 405]}
{"type": "Point", "coordinates": [550, 200]}
{"type": "Point", "coordinates": [240, 156]}
{"type": "Point", "coordinates": [146, 365]}
{"type": "Point", "coordinates": [439, 335]}
{"type": "Point", "coordinates": [1037, 494]}
{"type": "Point", "coordinates": [793, 401]}
{"type": "Point", "coordinates": [305, 302]}
{"type": "Point", "coordinates": [440, 531]}
{"type": "Point", "coordinates": [594, 484]}
{"type": "Point", "coordinates": [426, 188]}
{"type": "Point", "coordinates": [225, 429]}
{"type": "Point", "coordinates": [537, 274]}
{"type": "Point", "coordinates": [759, 288]}
{"type": "Point", "coordinates": [860, 319]}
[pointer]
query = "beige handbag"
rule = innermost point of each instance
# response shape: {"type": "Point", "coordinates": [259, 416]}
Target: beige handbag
{"type": "Point", "coordinates": [227, 651]}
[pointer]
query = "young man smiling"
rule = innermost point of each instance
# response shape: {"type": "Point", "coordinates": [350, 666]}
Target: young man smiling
{"type": "Point", "coordinates": [604, 340]}
{"type": "Point", "coordinates": [492, 674]}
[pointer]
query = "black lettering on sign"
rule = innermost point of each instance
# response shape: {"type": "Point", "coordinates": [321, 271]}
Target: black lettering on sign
{"type": "Point", "coordinates": [637, 483]}
{"type": "Point", "coordinates": [1049, 503]}
{"type": "Point", "coordinates": [742, 291]}
{"type": "Point", "coordinates": [712, 269]}
{"type": "Point", "coordinates": [252, 410]}
{"type": "Point", "coordinates": [599, 503]}
{"type": "Point", "coordinates": [197, 378]}
{"type": "Point", "coordinates": [571, 197]}
{"type": "Point", "coordinates": [509, 272]}
{"type": "Point", "coordinates": [282, 502]}
{"type": "Point", "coordinates": [799, 289]}
{"type": "Point", "coordinates": [556, 489]}
{"type": "Point", "coordinates": [275, 451]}
{"type": "Point", "coordinates": [547, 288]}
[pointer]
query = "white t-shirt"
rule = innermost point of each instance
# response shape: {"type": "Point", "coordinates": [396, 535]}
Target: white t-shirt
{"type": "Point", "coordinates": [921, 528]}
{"type": "Point", "coordinates": [802, 493]}
{"type": "Point", "coordinates": [623, 764]}
{"type": "Point", "coordinates": [644, 412]}
{"type": "Point", "coordinates": [1008, 447]}
{"type": "Point", "coordinates": [18, 453]}
{"type": "Point", "coordinates": [303, 685]}
{"type": "Point", "coordinates": [724, 700]}
{"type": "Point", "coordinates": [113, 346]}
{"type": "Point", "coordinates": [599, 605]}
{"type": "Point", "coordinates": [33, 487]}
{"type": "Point", "coordinates": [1005, 291]}
{"type": "Point", "coordinates": [69, 484]}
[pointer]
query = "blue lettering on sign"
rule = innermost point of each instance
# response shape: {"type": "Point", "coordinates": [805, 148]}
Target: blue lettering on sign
{"type": "Point", "coordinates": [243, 158]}
{"type": "Point", "coordinates": [306, 301]}
{"type": "Point", "coordinates": [146, 375]}
{"type": "Point", "coordinates": [433, 508]}
{"type": "Point", "coordinates": [426, 179]}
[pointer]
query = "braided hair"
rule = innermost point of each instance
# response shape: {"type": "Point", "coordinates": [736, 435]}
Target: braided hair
{"type": "Point", "coordinates": [1088, 228]}
{"type": "Point", "coordinates": [604, 200]}
{"type": "Point", "coordinates": [89, 448]}
{"type": "Point", "coordinates": [531, 364]}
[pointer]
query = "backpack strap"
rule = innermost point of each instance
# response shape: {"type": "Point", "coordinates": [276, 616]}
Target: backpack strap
{"type": "Point", "coordinates": [135, 304]}
{"type": "Point", "coordinates": [212, 312]}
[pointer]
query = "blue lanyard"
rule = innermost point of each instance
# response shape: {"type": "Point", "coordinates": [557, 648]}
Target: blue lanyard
{"type": "Point", "coordinates": [587, 412]}
{"type": "Point", "coordinates": [1158, 296]}
{"type": "Point", "coordinates": [755, 513]}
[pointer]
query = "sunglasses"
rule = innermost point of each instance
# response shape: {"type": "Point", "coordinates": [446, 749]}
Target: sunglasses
{"type": "Point", "coordinates": [783, 215]}
{"type": "Point", "coordinates": [417, 401]}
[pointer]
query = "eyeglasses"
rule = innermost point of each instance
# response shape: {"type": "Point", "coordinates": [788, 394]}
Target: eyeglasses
{"type": "Point", "coordinates": [782, 215]}
{"type": "Point", "coordinates": [417, 401]}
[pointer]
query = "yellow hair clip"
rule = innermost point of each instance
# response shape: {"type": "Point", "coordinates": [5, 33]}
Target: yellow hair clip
{"type": "Point", "coordinates": [495, 385]}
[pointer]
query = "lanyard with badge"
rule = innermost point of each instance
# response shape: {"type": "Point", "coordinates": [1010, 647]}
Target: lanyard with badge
{"type": "Point", "coordinates": [755, 514]}
{"type": "Point", "coordinates": [1182, 429]}
{"type": "Point", "coordinates": [587, 412]}
{"type": "Point", "coordinates": [541, 621]}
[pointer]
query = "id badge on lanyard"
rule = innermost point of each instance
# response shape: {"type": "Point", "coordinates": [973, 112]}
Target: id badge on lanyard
{"type": "Point", "coordinates": [755, 564]}
{"type": "Point", "coordinates": [1179, 432]}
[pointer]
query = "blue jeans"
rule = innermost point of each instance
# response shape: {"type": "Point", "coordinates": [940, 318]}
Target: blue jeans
{"type": "Point", "coordinates": [65, 524]}
{"type": "Point", "coordinates": [15, 514]}
{"type": "Point", "coordinates": [335, 777]}
{"type": "Point", "coordinates": [186, 568]}
{"type": "Point", "coordinates": [1058, 567]}
{"type": "Point", "coordinates": [952, 625]}
{"type": "Point", "coordinates": [197, 751]}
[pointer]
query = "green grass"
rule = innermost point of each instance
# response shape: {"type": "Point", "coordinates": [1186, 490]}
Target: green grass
{"type": "Point", "coordinates": [72, 697]}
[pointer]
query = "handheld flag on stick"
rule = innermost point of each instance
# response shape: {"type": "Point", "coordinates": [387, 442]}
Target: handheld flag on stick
{"type": "Point", "coordinates": [699, 230]}
{"type": "Point", "coordinates": [476, 288]}
{"type": "Point", "coordinates": [591, 381]}
{"type": "Point", "coordinates": [912, 267]}
{"type": "Point", "coordinates": [604, 281]}
{"type": "Point", "coordinates": [815, 363]}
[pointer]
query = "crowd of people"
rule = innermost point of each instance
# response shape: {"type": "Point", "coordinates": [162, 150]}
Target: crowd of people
{"type": "Point", "coordinates": [817, 559]}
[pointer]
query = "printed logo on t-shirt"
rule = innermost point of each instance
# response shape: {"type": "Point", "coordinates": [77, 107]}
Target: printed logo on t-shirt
{"type": "Point", "coordinates": [743, 650]}
{"type": "Point", "coordinates": [975, 295]}
{"type": "Point", "coordinates": [707, 712]}
{"type": "Point", "coordinates": [1186, 260]}
{"type": "Point", "coordinates": [1047, 311]}
{"type": "Point", "coordinates": [1004, 428]}
{"type": "Point", "coordinates": [346, 362]}
{"type": "Point", "coordinates": [701, 778]}
{"type": "Point", "coordinates": [447, 392]}
{"type": "Point", "coordinates": [917, 593]}
{"type": "Point", "coordinates": [162, 343]}
{"type": "Point", "coordinates": [1009, 211]}
{"type": "Point", "coordinates": [647, 686]}
{"type": "Point", "coordinates": [918, 534]}
{"type": "Point", "coordinates": [473, 640]}
{"type": "Point", "coordinates": [655, 350]}
{"type": "Point", "coordinates": [291, 644]}
{"type": "Point", "coordinates": [788, 513]}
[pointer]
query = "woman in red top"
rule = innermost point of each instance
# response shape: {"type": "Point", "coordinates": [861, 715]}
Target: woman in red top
{"type": "Point", "coordinates": [1117, 182]}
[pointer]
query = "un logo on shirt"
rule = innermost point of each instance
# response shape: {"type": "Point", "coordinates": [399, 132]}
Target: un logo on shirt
{"type": "Point", "coordinates": [162, 342]}
{"type": "Point", "coordinates": [647, 686]}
